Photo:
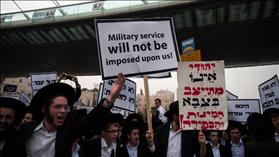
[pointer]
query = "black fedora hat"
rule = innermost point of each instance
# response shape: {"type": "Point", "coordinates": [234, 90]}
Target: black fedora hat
{"type": "Point", "coordinates": [135, 120]}
{"type": "Point", "coordinates": [112, 118]}
{"type": "Point", "coordinates": [47, 92]}
{"type": "Point", "coordinates": [173, 109]}
{"type": "Point", "coordinates": [134, 117]}
{"type": "Point", "coordinates": [271, 112]}
{"type": "Point", "coordinates": [18, 106]}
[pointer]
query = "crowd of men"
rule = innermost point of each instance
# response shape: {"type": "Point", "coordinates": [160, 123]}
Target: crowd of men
{"type": "Point", "coordinates": [50, 128]}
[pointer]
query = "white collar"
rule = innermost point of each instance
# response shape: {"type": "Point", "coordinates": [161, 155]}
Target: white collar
{"type": "Point", "coordinates": [130, 147]}
{"type": "Point", "coordinates": [105, 146]}
{"type": "Point", "coordinates": [212, 146]}
{"type": "Point", "coordinates": [239, 144]}
{"type": "Point", "coordinates": [171, 129]}
{"type": "Point", "coordinates": [40, 126]}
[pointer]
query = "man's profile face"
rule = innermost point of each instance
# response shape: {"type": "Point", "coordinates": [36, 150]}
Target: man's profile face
{"type": "Point", "coordinates": [58, 111]}
{"type": "Point", "coordinates": [28, 117]}
{"type": "Point", "coordinates": [7, 118]}
{"type": "Point", "coordinates": [157, 103]}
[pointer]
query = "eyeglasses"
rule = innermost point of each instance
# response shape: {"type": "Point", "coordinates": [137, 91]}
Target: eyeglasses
{"type": "Point", "coordinates": [113, 131]}
{"type": "Point", "coordinates": [60, 106]}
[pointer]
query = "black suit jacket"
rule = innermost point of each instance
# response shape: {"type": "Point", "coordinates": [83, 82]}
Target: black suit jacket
{"type": "Point", "coordinates": [189, 143]}
{"type": "Point", "coordinates": [9, 137]}
{"type": "Point", "coordinates": [65, 135]}
{"type": "Point", "coordinates": [261, 149]}
{"type": "Point", "coordinates": [143, 150]}
{"type": "Point", "coordinates": [209, 153]}
{"type": "Point", "coordinates": [93, 147]}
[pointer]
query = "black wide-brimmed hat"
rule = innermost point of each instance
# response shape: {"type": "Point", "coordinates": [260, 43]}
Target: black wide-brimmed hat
{"type": "Point", "coordinates": [18, 106]}
{"type": "Point", "coordinates": [49, 91]}
{"type": "Point", "coordinates": [173, 109]}
{"type": "Point", "coordinates": [135, 120]}
{"type": "Point", "coordinates": [112, 118]}
{"type": "Point", "coordinates": [235, 124]}
{"type": "Point", "coordinates": [271, 112]}
{"type": "Point", "coordinates": [134, 117]}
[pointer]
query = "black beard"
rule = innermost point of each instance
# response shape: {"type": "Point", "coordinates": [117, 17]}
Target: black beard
{"type": "Point", "coordinates": [49, 118]}
{"type": "Point", "coordinates": [4, 134]}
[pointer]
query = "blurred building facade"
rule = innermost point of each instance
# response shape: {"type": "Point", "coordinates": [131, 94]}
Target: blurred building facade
{"type": "Point", "coordinates": [166, 97]}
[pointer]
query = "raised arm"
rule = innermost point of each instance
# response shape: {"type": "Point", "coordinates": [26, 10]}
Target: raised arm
{"type": "Point", "coordinates": [201, 140]}
{"type": "Point", "coordinates": [95, 118]}
{"type": "Point", "coordinates": [115, 91]}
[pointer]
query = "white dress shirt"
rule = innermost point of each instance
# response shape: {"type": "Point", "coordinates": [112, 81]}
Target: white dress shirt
{"type": "Point", "coordinates": [2, 145]}
{"type": "Point", "coordinates": [161, 116]}
{"type": "Point", "coordinates": [41, 143]}
{"type": "Point", "coordinates": [132, 151]}
{"type": "Point", "coordinates": [106, 150]}
{"type": "Point", "coordinates": [238, 149]}
{"type": "Point", "coordinates": [215, 150]}
{"type": "Point", "coordinates": [174, 144]}
{"type": "Point", "coordinates": [75, 152]}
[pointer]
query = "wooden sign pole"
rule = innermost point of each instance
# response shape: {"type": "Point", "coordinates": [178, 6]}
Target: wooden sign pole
{"type": "Point", "coordinates": [147, 101]}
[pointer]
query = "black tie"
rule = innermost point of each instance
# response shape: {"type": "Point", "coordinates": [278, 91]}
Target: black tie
{"type": "Point", "coordinates": [112, 153]}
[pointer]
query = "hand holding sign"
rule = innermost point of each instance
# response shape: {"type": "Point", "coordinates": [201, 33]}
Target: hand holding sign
{"type": "Point", "coordinates": [115, 90]}
{"type": "Point", "coordinates": [201, 140]}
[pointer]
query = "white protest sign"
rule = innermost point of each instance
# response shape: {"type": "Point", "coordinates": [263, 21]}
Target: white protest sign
{"type": "Point", "coordinates": [24, 98]}
{"type": "Point", "coordinates": [12, 96]}
{"type": "Point", "coordinates": [160, 75]}
{"type": "Point", "coordinates": [269, 93]}
{"type": "Point", "coordinates": [201, 95]}
{"type": "Point", "coordinates": [9, 88]}
{"type": "Point", "coordinates": [230, 95]}
{"type": "Point", "coordinates": [240, 109]}
{"type": "Point", "coordinates": [136, 46]}
{"type": "Point", "coordinates": [126, 101]}
{"type": "Point", "coordinates": [39, 80]}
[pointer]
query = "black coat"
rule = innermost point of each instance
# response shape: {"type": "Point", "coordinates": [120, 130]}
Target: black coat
{"type": "Point", "coordinates": [261, 149]}
{"type": "Point", "coordinates": [189, 144]}
{"type": "Point", "coordinates": [9, 137]}
{"type": "Point", "coordinates": [93, 147]}
{"type": "Point", "coordinates": [65, 135]}
{"type": "Point", "coordinates": [222, 149]}
{"type": "Point", "coordinates": [143, 150]}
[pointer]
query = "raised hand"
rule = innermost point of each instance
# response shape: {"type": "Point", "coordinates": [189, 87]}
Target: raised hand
{"type": "Point", "coordinates": [201, 137]}
{"type": "Point", "coordinates": [115, 90]}
{"type": "Point", "coordinates": [201, 140]}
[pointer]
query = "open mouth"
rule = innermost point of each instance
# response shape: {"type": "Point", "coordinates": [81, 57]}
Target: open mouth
{"type": "Point", "coordinates": [60, 118]}
{"type": "Point", "coordinates": [3, 125]}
